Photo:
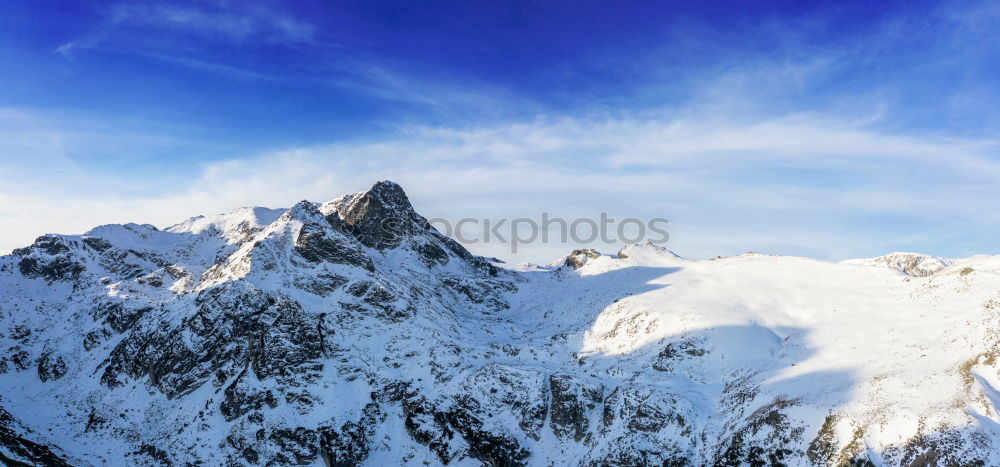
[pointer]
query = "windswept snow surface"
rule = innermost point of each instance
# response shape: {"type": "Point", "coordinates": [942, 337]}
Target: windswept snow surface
{"type": "Point", "coordinates": [310, 335]}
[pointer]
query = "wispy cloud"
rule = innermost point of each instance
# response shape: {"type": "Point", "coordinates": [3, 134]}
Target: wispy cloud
{"type": "Point", "coordinates": [65, 50]}
{"type": "Point", "coordinates": [214, 67]}
{"type": "Point", "coordinates": [174, 33]}
{"type": "Point", "coordinates": [804, 184]}
{"type": "Point", "coordinates": [220, 21]}
{"type": "Point", "coordinates": [157, 28]}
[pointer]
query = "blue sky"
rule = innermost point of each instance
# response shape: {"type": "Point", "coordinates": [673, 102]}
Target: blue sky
{"type": "Point", "coordinates": [841, 130]}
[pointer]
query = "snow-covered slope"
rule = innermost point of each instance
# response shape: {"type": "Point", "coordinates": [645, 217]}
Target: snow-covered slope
{"type": "Point", "coordinates": [351, 332]}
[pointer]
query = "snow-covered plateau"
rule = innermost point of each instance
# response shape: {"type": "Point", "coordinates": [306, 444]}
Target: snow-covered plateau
{"type": "Point", "coordinates": [316, 335]}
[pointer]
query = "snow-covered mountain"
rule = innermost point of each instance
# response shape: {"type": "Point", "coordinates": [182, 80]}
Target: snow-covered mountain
{"type": "Point", "coordinates": [912, 264]}
{"type": "Point", "coordinates": [351, 332]}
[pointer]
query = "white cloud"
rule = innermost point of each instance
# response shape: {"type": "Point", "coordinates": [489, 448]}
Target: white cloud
{"type": "Point", "coordinates": [794, 185]}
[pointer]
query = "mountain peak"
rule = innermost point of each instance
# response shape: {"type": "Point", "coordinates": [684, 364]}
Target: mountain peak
{"type": "Point", "coordinates": [389, 198]}
{"type": "Point", "coordinates": [387, 187]}
{"type": "Point", "coordinates": [379, 217]}
{"type": "Point", "coordinates": [304, 210]}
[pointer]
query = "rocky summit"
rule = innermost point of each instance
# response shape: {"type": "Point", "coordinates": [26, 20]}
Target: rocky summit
{"type": "Point", "coordinates": [353, 333]}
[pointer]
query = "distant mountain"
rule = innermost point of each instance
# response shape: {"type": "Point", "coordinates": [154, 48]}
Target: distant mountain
{"type": "Point", "coordinates": [911, 264]}
{"type": "Point", "coordinates": [352, 332]}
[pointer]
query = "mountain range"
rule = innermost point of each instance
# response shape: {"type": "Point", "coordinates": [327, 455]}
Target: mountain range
{"type": "Point", "coordinates": [352, 332]}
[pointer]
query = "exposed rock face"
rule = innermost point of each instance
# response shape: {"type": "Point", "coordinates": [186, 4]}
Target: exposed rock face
{"type": "Point", "coordinates": [49, 258]}
{"type": "Point", "coordinates": [578, 258]}
{"type": "Point", "coordinates": [572, 402]}
{"type": "Point", "coordinates": [379, 218]}
{"type": "Point", "coordinates": [16, 447]}
{"type": "Point", "coordinates": [51, 367]}
{"type": "Point", "coordinates": [383, 218]}
{"type": "Point", "coordinates": [316, 245]}
{"type": "Point", "coordinates": [911, 264]}
{"type": "Point", "coordinates": [352, 332]}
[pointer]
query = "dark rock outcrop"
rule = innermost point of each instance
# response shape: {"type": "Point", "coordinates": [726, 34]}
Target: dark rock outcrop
{"type": "Point", "coordinates": [572, 401]}
{"type": "Point", "coordinates": [16, 449]}
{"type": "Point", "coordinates": [577, 258]}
